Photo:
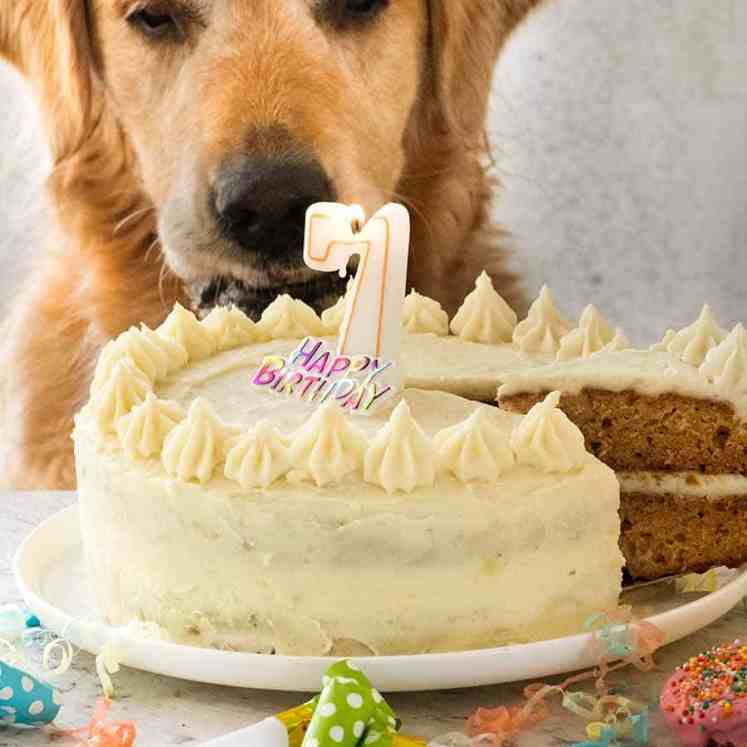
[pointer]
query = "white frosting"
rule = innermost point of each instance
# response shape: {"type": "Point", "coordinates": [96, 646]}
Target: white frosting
{"type": "Point", "coordinates": [259, 457]}
{"type": "Point", "coordinates": [618, 342]}
{"type": "Point", "coordinates": [154, 355]}
{"type": "Point", "coordinates": [484, 316]}
{"type": "Point", "coordinates": [333, 316]}
{"type": "Point", "coordinates": [475, 449]}
{"type": "Point", "coordinates": [726, 364]}
{"type": "Point", "coordinates": [647, 372]}
{"type": "Point", "coordinates": [547, 440]}
{"type": "Point", "coordinates": [143, 430]}
{"type": "Point", "coordinates": [218, 564]}
{"type": "Point", "coordinates": [692, 343]}
{"type": "Point", "coordinates": [401, 456]}
{"type": "Point", "coordinates": [328, 447]}
{"type": "Point", "coordinates": [231, 327]}
{"type": "Point", "coordinates": [592, 334]}
{"type": "Point", "coordinates": [288, 317]}
{"type": "Point", "coordinates": [183, 327]}
{"type": "Point", "coordinates": [663, 344]}
{"type": "Point", "coordinates": [193, 448]}
{"type": "Point", "coordinates": [421, 314]}
{"type": "Point", "coordinates": [543, 328]}
{"type": "Point", "coordinates": [469, 369]}
{"type": "Point", "coordinates": [126, 387]}
{"type": "Point", "coordinates": [693, 484]}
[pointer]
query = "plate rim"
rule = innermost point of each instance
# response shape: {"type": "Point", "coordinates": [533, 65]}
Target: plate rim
{"type": "Point", "coordinates": [98, 630]}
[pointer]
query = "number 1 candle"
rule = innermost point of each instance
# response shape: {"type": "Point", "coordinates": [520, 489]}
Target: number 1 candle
{"type": "Point", "coordinates": [372, 323]}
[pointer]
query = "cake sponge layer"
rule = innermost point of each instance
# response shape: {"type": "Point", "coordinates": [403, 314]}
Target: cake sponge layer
{"type": "Point", "coordinates": [664, 534]}
{"type": "Point", "coordinates": [631, 431]}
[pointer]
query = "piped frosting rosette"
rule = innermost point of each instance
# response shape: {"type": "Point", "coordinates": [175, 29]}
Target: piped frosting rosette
{"type": "Point", "coordinates": [543, 328]}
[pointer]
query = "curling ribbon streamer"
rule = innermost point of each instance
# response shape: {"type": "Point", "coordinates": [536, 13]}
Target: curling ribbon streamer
{"type": "Point", "coordinates": [99, 732]}
{"type": "Point", "coordinates": [25, 699]}
{"type": "Point", "coordinates": [618, 641]}
{"type": "Point", "coordinates": [606, 735]}
{"type": "Point", "coordinates": [107, 664]}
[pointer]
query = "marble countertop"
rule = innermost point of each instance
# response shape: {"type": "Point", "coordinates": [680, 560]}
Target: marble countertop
{"type": "Point", "coordinates": [174, 712]}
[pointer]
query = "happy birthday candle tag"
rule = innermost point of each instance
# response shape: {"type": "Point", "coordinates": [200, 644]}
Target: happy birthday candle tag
{"type": "Point", "coordinates": [363, 370]}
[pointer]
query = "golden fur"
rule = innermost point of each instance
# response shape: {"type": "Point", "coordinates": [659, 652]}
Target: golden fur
{"type": "Point", "coordinates": [122, 123]}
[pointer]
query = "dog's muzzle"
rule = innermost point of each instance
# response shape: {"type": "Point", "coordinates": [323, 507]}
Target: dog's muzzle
{"type": "Point", "coordinates": [259, 205]}
{"type": "Point", "coordinates": [320, 293]}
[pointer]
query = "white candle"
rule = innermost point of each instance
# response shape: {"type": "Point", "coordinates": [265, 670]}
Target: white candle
{"type": "Point", "coordinates": [372, 324]}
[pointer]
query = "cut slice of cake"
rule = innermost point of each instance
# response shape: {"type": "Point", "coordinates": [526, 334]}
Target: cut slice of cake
{"type": "Point", "coordinates": [677, 412]}
{"type": "Point", "coordinates": [642, 410]}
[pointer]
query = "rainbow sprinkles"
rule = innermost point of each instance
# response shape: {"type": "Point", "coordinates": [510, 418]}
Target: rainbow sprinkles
{"type": "Point", "coordinates": [315, 373]}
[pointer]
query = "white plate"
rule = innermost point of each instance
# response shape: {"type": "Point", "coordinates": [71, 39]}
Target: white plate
{"type": "Point", "coordinates": [49, 573]}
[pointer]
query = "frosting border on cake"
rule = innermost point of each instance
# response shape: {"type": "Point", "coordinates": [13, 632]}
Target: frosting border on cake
{"type": "Point", "coordinates": [121, 385]}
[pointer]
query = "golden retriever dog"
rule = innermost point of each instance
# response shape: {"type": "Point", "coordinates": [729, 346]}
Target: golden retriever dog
{"type": "Point", "coordinates": [189, 136]}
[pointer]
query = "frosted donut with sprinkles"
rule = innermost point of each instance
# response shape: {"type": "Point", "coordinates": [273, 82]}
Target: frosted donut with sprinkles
{"type": "Point", "coordinates": [705, 700]}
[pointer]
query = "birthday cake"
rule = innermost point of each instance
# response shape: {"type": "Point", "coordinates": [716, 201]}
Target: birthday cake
{"type": "Point", "coordinates": [344, 484]}
{"type": "Point", "coordinates": [236, 491]}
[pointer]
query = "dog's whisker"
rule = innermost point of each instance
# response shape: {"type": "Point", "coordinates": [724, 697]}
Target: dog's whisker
{"type": "Point", "coordinates": [410, 203]}
{"type": "Point", "coordinates": [163, 274]}
{"type": "Point", "coordinates": [155, 244]}
{"type": "Point", "coordinates": [129, 218]}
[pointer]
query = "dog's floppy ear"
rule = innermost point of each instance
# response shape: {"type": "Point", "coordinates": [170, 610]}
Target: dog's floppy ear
{"type": "Point", "coordinates": [93, 183]}
{"type": "Point", "coordinates": [48, 41]}
{"type": "Point", "coordinates": [465, 39]}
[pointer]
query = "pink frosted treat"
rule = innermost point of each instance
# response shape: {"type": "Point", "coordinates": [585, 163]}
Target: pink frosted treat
{"type": "Point", "coordinates": [706, 698]}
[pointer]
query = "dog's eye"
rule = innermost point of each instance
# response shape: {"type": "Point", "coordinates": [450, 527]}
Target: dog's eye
{"type": "Point", "coordinates": [355, 11]}
{"type": "Point", "coordinates": [155, 22]}
{"type": "Point", "coordinates": [363, 8]}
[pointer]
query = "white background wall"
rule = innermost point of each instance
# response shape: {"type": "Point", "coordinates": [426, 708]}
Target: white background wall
{"type": "Point", "coordinates": [23, 167]}
{"type": "Point", "coordinates": [620, 134]}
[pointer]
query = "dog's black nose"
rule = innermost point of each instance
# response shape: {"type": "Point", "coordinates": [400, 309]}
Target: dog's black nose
{"type": "Point", "coordinates": [261, 201]}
